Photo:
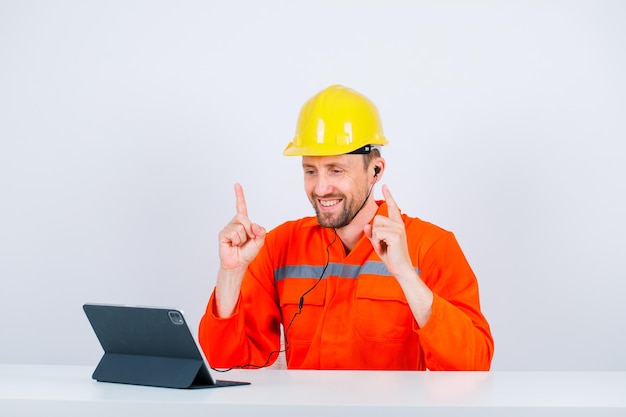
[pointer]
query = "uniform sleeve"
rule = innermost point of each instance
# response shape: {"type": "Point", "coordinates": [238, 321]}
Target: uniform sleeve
{"type": "Point", "coordinates": [250, 338]}
{"type": "Point", "coordinates": [457, 335]}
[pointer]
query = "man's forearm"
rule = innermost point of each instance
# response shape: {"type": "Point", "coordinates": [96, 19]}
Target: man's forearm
{"type": "Point", "coordinates": [418, 296]}
{"type": "Point", "coordinates": [227, 290]}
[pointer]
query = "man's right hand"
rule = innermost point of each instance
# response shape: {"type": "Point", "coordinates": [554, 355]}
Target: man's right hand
{"type": "Point", "coordinates": [240, 240]}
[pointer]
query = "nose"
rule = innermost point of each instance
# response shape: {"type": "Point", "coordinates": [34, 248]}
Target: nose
{"type": "Point", "coordinates": [323, 185]}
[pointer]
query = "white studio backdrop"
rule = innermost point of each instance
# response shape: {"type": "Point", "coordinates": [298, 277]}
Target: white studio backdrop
{"type": "Point", "coordinates": [125, 124]}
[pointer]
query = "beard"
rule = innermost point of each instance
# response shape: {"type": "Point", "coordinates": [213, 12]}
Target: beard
{"type": "Point", "coordinates": [351, 208]}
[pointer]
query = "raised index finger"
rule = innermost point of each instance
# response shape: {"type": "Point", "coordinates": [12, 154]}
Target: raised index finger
{"type": "Point", "coordinates": [392, 208]}
{"type": "Point", "coordinates": [240, 200]}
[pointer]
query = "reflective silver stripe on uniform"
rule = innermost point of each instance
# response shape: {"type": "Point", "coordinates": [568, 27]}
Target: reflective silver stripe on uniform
{"type": "Point", "coordinates": [336, 269]}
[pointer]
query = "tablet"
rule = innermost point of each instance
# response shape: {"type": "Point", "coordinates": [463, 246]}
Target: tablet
{"type": "Point", "coordinates": [150, 346]}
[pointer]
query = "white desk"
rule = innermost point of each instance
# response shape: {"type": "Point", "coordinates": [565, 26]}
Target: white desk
{"type": "Point", "coordinates": [67, 391]}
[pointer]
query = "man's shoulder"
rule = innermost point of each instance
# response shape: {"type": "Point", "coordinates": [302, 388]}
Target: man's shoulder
{"type": "Point", "coordinates": [424, 231]}
{"type": "Point", "coordinates": [417, 222]}
{"type": "Point", "coordinates": [292, 233]}
{"type": "Point", "coordinates": [296, 224]}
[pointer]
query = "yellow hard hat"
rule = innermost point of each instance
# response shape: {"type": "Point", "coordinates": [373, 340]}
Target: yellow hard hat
{"type": "Point", "coordinates": [336, 121]}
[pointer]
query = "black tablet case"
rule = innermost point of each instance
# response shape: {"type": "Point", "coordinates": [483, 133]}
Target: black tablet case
{"type": "Point", "coordinates": [148, 346]}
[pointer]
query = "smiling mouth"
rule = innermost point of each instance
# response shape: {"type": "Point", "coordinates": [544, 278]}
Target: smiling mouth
{"type": "Point", "coordinates": [329, 203]}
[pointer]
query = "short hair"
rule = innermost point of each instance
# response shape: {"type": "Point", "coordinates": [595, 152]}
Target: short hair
{"type": "Point", "coordinates": [370, 156]}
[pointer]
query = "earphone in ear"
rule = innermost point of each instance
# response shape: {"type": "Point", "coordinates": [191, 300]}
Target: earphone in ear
{"type": "Point", "coordinates": [376, 171]}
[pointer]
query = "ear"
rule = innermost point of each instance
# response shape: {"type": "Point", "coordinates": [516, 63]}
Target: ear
{"type": "Point", "coordinates": [379, 168]}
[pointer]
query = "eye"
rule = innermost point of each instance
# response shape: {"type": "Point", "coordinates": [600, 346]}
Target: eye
{"type": "Point", "coordinates": [308, 172]}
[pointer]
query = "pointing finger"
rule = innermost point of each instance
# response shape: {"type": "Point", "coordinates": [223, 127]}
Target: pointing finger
{"type": "Point", "coordinates": [240, 200]}
{"type": "Point", "coordinates": [392, 208]}
{"type": "Point", "coordinates": [242, 211]}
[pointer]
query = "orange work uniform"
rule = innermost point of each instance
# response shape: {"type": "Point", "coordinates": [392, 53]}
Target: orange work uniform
{"type": "Point", "coordinates": [356, 316]}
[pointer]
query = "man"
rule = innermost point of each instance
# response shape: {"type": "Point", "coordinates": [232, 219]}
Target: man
{"type": "Point", "coordinates": [359, 286]}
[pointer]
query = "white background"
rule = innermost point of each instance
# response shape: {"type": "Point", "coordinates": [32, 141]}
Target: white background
{"type": "Point", "coordinates": [125, 124]}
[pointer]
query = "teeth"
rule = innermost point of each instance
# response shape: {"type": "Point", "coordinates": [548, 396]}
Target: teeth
{"type": "Point", "coordinates": [329, 203]}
